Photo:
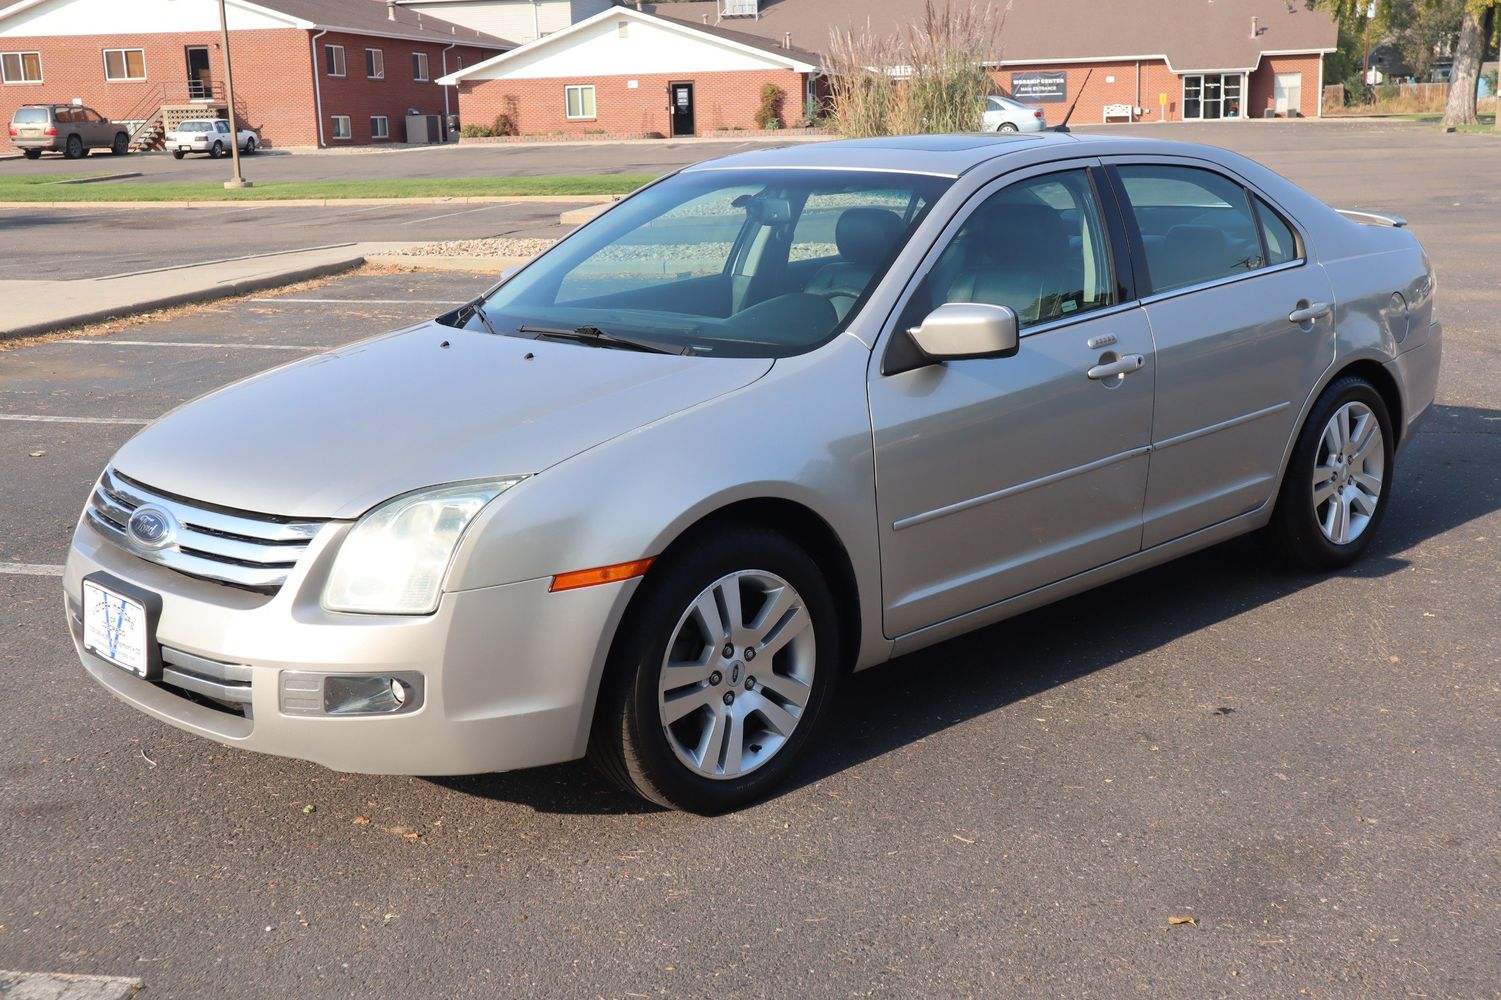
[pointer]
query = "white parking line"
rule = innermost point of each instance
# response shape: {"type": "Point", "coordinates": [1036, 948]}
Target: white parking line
{"type": "Point", "coordinates": [60, 986]}
{"type": "Point", "coordinates": [112, 342]}
{"type": "Point", "coordinates": [45, 418]}
{"type": "Point", "coordinates": [367, 302]}
{"type": "Point", "coordinates": [28, 569]}
{"type": "Point", "coordinates": [471, 211]}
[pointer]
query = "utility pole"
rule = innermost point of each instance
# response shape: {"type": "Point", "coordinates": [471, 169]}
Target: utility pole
{"type": "Point", "coordinates": [1365, 69]}
{"type": "Point", "coordinates": [237, 181]}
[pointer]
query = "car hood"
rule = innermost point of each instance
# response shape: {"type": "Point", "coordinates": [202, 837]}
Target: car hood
{"type": "Point", "coordinates": [332, 435]}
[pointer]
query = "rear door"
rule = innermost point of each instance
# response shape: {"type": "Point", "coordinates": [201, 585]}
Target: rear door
{"type": "Point", "coordinates": [1243, 324]}
{"type": "Point", "coordinates": [997, 476]}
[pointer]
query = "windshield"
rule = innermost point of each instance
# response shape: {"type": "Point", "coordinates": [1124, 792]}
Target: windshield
{"type": "Point", "coordinates": [740, 263]}
{"type": "Point", "coordinates": [196, 127]}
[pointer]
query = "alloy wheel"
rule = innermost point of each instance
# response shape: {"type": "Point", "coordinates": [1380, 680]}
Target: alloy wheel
{"type": "Point", "coordinates": [737, 674]}
{"type": "Point", "coordinates": [1348, 473]}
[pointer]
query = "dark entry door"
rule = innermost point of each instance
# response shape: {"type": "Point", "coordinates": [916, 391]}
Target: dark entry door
{"type": "Point", "coordinates": [681, 97]}
{"type": "Point", "coordinates": [200, 73]}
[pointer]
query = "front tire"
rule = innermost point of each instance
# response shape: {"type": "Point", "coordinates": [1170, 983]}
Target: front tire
{"type": "Point", "coordinates": [720, 674]}
{"type": "Point", "coordinates": [249, 147]}
{"type": "Point", "coordinates": [121, 145]}
{"type": "Point", "coordinates": [1338, 480]}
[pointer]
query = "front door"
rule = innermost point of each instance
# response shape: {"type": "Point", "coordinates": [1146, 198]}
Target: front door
{"type": "Point", "coordinates": [200, 73]}
{"type": "Point", "coordinates": [1244, 330]}
{"type": "Point", "coordinates": [997, 476]}
{"type": "Point", "coordinates": [681, 97]}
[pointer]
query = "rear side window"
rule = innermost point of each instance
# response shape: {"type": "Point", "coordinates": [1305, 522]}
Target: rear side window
{"type": "Point", "coordinates": [1281, 241]}
{"type": "Point", "coordinates": [31, 116]}
{"type": "Point", "coordinates": [1196, 225]}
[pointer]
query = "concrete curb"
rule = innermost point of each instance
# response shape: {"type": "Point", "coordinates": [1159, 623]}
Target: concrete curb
{"type": "Point", "coordinates": [520, 199]}
{"type": "Point", "coordinates": [64, 986]}
{"type": "Point", "coordinates": [223, 290]}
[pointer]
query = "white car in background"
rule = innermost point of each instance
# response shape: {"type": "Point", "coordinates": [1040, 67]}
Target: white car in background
{"type": "Point", "coordinates": [211, 136]}
{"type": "Point", "coordinates": [1002, 114]}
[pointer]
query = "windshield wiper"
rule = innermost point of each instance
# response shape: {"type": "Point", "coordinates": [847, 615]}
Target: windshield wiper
{"type": "Point", "coordinates": [477, 309]}
{"type": "Point", "coordinates": [594, 335]}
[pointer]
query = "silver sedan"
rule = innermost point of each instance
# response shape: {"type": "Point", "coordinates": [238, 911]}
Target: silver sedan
{"type": "Point", "coordinates": [772, 419]}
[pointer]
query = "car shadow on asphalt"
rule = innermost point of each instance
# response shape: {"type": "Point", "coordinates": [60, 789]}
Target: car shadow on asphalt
{"type": "Point", "coordinates": [923, 693]}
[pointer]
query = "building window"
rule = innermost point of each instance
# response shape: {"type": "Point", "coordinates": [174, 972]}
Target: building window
{"type": "Point", "coordinates": [380, 127]}
{"type": "Point", "coordinates": [334, 57]}
{"type": "Point", "coordinates": [375, 64]}
{"type": "Point", "coordinates": [579, 100]}
{"type": "Point", "coordinates": [419, 66]}
{"type": "Point", "coordinates": [125, 64]}
{"type": "Point", "coordinates": [21, 67]}
{"type": "Point", "coordinates": [342, 129]}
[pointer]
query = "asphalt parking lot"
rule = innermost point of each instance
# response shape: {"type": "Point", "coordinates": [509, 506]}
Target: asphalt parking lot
{"type": "Point", "coordinates": [1306, 766]}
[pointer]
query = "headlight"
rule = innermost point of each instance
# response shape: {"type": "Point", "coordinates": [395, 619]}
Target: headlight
{"type": "Point", "coordinates": [394, 560]}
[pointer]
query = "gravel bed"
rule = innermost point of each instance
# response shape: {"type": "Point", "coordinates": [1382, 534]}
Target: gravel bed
{"type": "Point", "coordinates": [497, 247]}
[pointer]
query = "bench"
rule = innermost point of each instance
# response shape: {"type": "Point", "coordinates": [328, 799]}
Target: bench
{"type": "Point", "coordinates": [1125, 111]}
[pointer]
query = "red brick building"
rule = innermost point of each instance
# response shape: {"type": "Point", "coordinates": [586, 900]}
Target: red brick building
{"type": "Point", "coordinates": [624, 72]}
{"type": "Point", "coordinates": [307, 72]}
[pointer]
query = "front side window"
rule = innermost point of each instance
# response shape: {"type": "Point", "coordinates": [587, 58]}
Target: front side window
{"type": "Point", "coordinates": [579, 101]}
{"type": "Point", "coordinates": [124, 64]}
{"type": "Point", "coordinates": [21, 67]}
{"type": "Point", "coordinates": [1196, 225]}
{"type": "Point", "coordinates": [723, 262]}
{"type": "Point", "coordinates": [419, 66]}
{"type": "Point", "coordinates": [342, 128]}
{"type": "Point", "coordinates": [375, 64]}
{"type": "Point", "coordinates": [380, 127]}
{"type": "Point", "coordinates": [1039, 246]}
{"type": "Point", "coordinates": [333, 57]}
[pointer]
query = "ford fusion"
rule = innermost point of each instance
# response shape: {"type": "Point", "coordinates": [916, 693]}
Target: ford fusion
{"type": "Point", "coordinates": [770, 420]}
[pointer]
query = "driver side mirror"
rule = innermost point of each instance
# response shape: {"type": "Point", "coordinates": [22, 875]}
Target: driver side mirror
{"type": "Point", "coordinates": [956, 331]}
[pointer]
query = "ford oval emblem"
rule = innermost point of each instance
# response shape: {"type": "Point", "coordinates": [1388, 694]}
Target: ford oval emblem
{"type": "Point", "coordinates": [151, 527]}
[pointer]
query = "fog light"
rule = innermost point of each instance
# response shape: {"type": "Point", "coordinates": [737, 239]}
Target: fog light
{"type": "Point", "coordinates": [306, 692]}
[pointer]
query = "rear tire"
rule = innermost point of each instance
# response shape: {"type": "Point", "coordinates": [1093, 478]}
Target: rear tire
{"type": "Point", "coordinates": [681, 723]}
{"type": "Point", "coordinates": [178, 154]}
{"type": "Point", "coordinates": [74, 149]}
{"type": "Point", "coordinates": [217, 151]}
{"type": "Point", "coordinates": [1006, 127]}
{"type": "Point", "coordinates": [32, 154]}
{"type": "Point", "coordinates": [121, 145]}
{"type": "Point", "coordinates": [1335, 491]}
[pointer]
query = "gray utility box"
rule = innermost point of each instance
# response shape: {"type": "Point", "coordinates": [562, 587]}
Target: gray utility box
{"type": "Point", "coordinates": [425, 128]}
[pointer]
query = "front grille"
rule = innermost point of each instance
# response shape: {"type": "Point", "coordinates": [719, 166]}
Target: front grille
{"type": "Point", "coordinates": [250, 551]}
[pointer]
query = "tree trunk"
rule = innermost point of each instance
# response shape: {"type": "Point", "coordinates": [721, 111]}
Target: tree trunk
{"type": "Point", "coordinates": [1464, 79]}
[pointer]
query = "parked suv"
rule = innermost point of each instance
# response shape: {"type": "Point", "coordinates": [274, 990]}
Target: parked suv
{"type": "Point", "coordinates": [65, 128]}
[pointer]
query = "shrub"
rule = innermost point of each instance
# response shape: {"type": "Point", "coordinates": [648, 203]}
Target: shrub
{"type": "Point", "coordinates": [503, 125]}
{"type": "Point", "coordinates": [476, 131]}
{"type": "Point", "coordinates": [769, 114]}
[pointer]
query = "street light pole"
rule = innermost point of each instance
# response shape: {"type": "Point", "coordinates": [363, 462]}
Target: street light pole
{"type": "Point", "coordinates": [237, 181]}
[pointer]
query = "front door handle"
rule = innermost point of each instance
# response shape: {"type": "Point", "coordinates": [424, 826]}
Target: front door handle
{"type": "Point", "coordinates": [1124, 366]}
{"type": "Point", "coordinates": [1306, 313]}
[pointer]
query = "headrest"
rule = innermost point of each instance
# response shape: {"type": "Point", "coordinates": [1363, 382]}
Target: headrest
{"type": "Point", "coordinates": [867, 235]}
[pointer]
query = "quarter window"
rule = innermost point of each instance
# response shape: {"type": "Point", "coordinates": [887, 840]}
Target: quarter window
{"type": "Point", "coordinates": [333, 58]}
{"type": "Point", "coordinates": [21, 67]}
{"type": "Point", "coordinates": [419, 66]}
{"type": "Point", "coordinates": [124, 64]}
{"type": "Point", "coordinates": [375, 64]}
{"type": "Point", "coordinates": [1196, 225]}
{"type": "Point", "coordinates": [580, 101]}
{"type": "Point", "coordinates": [1281, 241]}
{"type": "Point", "coordinates": [380, 127]}
{"type": "Point", "coordinates": [342, 129]}
{"type": "Point", "coordinates": [1038, 246]}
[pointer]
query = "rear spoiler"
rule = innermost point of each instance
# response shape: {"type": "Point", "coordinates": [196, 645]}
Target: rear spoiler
{"type": "Point", "coordinates": [1374, 218]}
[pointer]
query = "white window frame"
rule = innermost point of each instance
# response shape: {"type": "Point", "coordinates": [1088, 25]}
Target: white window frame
{"type": "Point", "coordinates": [421, 70]}
{"type": "Point", "coordinates": [21, 65]}
{"type": "Point", "coordinates": [375, 69]}
{"type": "Point", "coordinates": [125, 65]}
{"type": "Point", "coordinates": [336, 52]}
{"type": "Point", "coordinates": [580, 88]}
{"type": "Point", "coordinates": [383, 131]}
{"type": "Point", "coordinates": [348, 127]}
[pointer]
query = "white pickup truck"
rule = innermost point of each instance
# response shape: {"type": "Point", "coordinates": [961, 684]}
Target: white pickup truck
{"type": "Point", "coordinates": [209, 135]}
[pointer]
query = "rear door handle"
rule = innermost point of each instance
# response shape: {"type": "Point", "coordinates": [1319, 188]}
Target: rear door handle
{"type": "Point", "coordinates": [1125, 366]}
{"type": "Point", "coordinates": [1309, 313]}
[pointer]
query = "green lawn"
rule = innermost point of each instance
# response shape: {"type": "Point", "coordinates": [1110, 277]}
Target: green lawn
{"type": "Point", "coordinates": [42, 187]}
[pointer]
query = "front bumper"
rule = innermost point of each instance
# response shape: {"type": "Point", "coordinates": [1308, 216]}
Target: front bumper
{"type": "Point", "coordinates": [510, 672]}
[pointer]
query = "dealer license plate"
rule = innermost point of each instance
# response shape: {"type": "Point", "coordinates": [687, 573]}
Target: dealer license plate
{"type": "Point", "coordinates": [115, 628]}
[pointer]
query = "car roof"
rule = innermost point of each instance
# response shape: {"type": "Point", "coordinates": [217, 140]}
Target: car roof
{"type": "Point", "coordinates": [940, 155]}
